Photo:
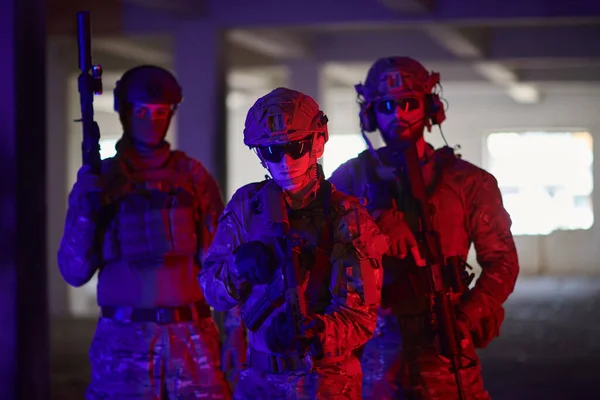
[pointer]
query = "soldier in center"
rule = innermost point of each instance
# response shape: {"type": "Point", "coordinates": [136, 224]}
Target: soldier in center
{"type": "Point", "coordinates": [300, 258]}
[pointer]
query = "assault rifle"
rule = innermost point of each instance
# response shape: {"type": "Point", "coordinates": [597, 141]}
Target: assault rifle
{"type": "Point", "coordinates": [283, 290]}
{"type": "Point", "coordinates": [295, 301]}
{"type": "Point", "coordinates": [446, 276]}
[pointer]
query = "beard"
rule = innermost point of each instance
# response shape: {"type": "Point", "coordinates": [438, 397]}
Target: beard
{"type": "Point", "coordinates": [400, 134]}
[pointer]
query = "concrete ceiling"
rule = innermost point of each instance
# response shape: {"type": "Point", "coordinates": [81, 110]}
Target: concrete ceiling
{"type": "Point", "coordinates": [520, 47]}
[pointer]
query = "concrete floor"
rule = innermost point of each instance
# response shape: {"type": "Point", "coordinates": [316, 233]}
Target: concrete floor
{"type": "Point", "coordinates": [549, 348]}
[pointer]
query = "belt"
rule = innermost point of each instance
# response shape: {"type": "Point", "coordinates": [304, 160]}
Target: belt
{"type": "Point", "coordinates": [159, 315]}
{"type": "Point", "coordinates": [284, 363]}
{"type": "Point", "coordinates": [277, 363]}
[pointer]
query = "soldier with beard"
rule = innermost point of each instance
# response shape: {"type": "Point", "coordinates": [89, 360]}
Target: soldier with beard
{"type": "Point", "coordinates": [405, 360]}
{"type": "Point", "coordinates": [145, 223]}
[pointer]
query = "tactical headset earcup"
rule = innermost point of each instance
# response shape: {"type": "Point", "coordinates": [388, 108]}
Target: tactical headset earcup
{"type": "Point", "coordinates": [367, 118]}
{"type": "Point", "coordinates": [434, 109]}
{"type": "Point", "coordinates": [118, 91]}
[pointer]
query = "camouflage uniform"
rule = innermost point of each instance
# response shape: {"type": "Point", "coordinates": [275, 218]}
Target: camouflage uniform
{"type": "Point", "coordinates": [235, 346]}
{"type": "Point", "coordinates": [145, 224]}
{"type": "Point", "coordinates": [344, 299]}
{"type": "Point", "coordinates": [402, 360]}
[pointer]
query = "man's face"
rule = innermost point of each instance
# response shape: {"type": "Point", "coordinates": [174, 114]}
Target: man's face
{"type": "Point", "coordinates": [288, 163]}
{"type": "Point", "coordinates": [149, 122]}
{"type": "Point", "coordinates": [400, 118]}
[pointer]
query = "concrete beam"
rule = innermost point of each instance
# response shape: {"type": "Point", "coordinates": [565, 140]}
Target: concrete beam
{"type": "Point", "coordinates": [369, 46]}
{"type": "Point", "coordinates": [548, 42]}
{"type": "Point", "coordinates": [443, 43]}
{"type": "Point", "coordinates": [409, 6]}
{"type": "Point", "coordinates": [247, 80]}
{"type": "Point", "coordinates": [507, 78]}
{"type": "Point", "coordinates": [473, 46]}
{"type": "Point", "coordinates": [241, 57]}
{"type": "Point", "coordinates": [106, 16]}
{"type": "Point", "coordinates": [462, 42]}
{"type": "Point", "coordinates": [545, 63]}
{"type": "Point", "coordinates": [582, 73]}
{"type": "Point", "coordinates": [185, 9]}
{"type": "Point", "coordinates": [278, 45]}
{"type": "Point", "coordinates": [139, 20]}
{"type": "Point", "coordinates": [496, 72]}
{"type": "Point", "coordinates": [343, 74]}
{"type": "Point", "coordinates": [131, 50]}
{"type": "Point", "coordinates": [262, 13]}
{"type": "Point", "coordinates": [524, 93]}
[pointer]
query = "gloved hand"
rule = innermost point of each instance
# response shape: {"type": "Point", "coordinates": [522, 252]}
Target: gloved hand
{"type": "Point", "coordinates": [464, 331]}
{"type": "Point", "coordinates": [392, 224]}
{"type": "Point", "coordinates": [255, 262]}
{"type": "Point", "coordinates": [87, 190]}
{"type": "Point", "coordinates": [481, 330]}
{"type": "Point", "coordinates": [280, 334]}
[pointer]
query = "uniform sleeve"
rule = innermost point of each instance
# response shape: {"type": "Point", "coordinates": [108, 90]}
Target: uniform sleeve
{"type": "Point", "coordinates": [235, 335]}
{"type": "Point", "coordinates": [356, 280]}
{"type": "Point", "coordinates": [210, 204]}
{"type": "Point", "coordinates": [342, 179]}
{"type": "Point", "coordinates": [78, 257]}
{"type": "Point", "coordinates": [489, 227]}
{"type": "Point", "coordinates": [218, 279]}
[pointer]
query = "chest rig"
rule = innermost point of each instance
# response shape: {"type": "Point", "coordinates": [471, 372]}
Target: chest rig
{"type": "Point", "coordinates": [312, 237]}
{"type": "Point", "coordinates": [151, 213]}
{"type": "Point", "coordinates": [406, 286]}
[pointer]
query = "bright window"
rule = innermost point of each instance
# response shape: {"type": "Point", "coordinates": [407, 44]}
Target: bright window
{"type": "Point", "coordinates": [339, 149]}
{"type": "Point", "coordinates": [545, 178]}
{"type": "Point", "coordinates": [107, 147]}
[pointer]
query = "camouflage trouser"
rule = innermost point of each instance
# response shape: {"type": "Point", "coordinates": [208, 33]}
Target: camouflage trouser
{"type": "Point", "coordinates": [391, 374]}
{"type": "Point", "coordinates": [338, 381]}
{"type": "Point", "coordinates": [235, 346]}
{"type": "Point", "coordinates": [144, 360]}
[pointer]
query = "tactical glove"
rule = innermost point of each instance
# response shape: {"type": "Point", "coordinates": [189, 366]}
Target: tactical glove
{"type": "Point", "coordinates": [392, 224]}
{"type": "Point", "coordinates": [255, 262]}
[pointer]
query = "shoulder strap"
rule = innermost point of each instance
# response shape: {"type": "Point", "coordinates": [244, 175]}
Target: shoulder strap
{"type": "Point", "coordinates": [322, 263]}
{"type": "Point", "coordinates": [183, 176]}
{"type": "Point", "coordinates": [182, 171]}
{"type": "Point", "coordinates": [118, 178]}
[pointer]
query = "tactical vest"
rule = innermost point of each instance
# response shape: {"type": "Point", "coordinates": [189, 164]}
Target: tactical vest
{"type": "Point", "coordinates": [445, 200]}
{"type": "Point", "coordinates": [319, 267]}
{"type": "Point", "coordinates": [151, 214]}
{"type": "Point", "coordinates": [406, 285]}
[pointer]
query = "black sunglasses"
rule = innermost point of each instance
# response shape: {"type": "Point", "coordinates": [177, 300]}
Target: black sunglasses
{"type": "Point", "coordinates": [275, 152]}
{"type": "Point", "coordinates": [389, 106]}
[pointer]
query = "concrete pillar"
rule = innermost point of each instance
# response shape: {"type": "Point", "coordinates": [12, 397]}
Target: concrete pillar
{"type": "Point", "coordinates": [201, 71]}
{"type": "Point", "coordinates": [56, 167]}
{"type": "Point", "coordinates": [24, 372]}
{"type": "Point", "coordinates": [201, 119]}
{"type": "Point", "coordinates": [304, 76]}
